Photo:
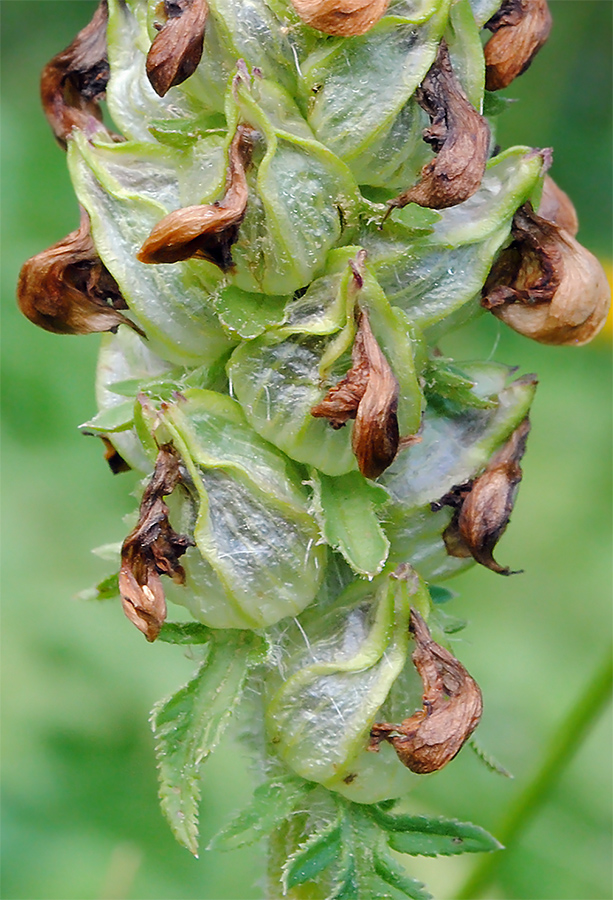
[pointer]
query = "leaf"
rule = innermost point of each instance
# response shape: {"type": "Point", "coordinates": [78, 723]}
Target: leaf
{"type": "Point", "coordinates": [316, 854]}
{"type": "Point", "coordinates": [440, 594]}
{"type": "Point", "coordinates": [272, 802]}
{"type": "Point", "coordinates": [393, 874]}
{"type": "Point", "coordinates": [184, 633]}
{"type": "Point", "coordinates": [188, 725]}
{"type": "Point", "coordinates": [247, 314]}
{"type": "Point", "coordinates": [433, 836]}
{"type": "Point", "coordinates": [107, 589]}
{"type": "Point", "coordinates": [114, 419]}
{"type": "Point", "coordinates": [488, 760]}
{"type": "Point", "coordinates": [345, 511]}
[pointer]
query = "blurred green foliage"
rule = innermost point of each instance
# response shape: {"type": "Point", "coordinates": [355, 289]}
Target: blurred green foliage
{"type": "Point", "coordinates": [80, 815]}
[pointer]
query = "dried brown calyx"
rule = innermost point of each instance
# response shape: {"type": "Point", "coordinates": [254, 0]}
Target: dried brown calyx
{"type": "Point", "coordinates": [75, 80]}
{"type": "Point", "coordinates": [369, 394]}
{"type": "Point", "coordinates": [152, 549]}
{"type": "Point", "coordinates": [209, 231]}
{"type": "Point", "coordinates": [545, 285]}
{"type": "Point", "coordinates": [483, 507]}
{"type": "Point", "coordinates": [115, 460]}
{"type": "Point", "coordinates": [68, 290]}
{"type": "Point", "coordinates": [557, 207]}
{"type": "Point", "coordinates": [342, 18]}
{"type": "Point", "coordinates": [177, 49]}
{"type": "Point", "coordinates": [458, 135]}
{"type": "Point", "coordinates": [451, 711]}
{"type": "Point", "coordinates": [520, 28]}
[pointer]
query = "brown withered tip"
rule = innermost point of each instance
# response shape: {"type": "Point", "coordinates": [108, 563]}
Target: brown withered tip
{"type": "Point", "coordinates": [115, 460]}
{"type": "Point", "coordinates": [484, 505]}
{"type": "Point", "coordinates": [546, 286]}
{"type": "Point", "coordinates": [342, 18]}
{"type": "Point", "coordinates": [68, 290]}
{"type": "Point", "coordinates": [458, 135]}
{"type": "Point", "coordinates": [368, 393]}
{"type": "Point", "coordinates": [520, 28]}
{"type": "Point", "coordinates": [208, 231]}
{"type": "Point", "coordinates": [557, 207]}
{"type": "Point", "coordinates": [74, 81]}
{"type": "Point", "coordinates": [152, 549]}
{"type": "Point", "coordinates": [452, 707]}
{"type": "Point", "coordinates": [177, 48]}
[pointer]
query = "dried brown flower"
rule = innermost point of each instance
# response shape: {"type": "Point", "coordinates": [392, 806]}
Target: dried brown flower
{"type": "Point", "coordinates": [459, 136]}
{"type": "Point", "coordinates": [114, 459]}
{"type": "Point", "coordinates": [483, 507]}
{"type": "Point", "coordinates": [152, 549]}
{"type": "Point", "coordinates": [451, 711]}
{"type": "Point", "coordinates": [206, 232]}
{"type": "Point", "coordinates": [520, 28]}
{"type": "Point", "coordinates": [369, 394]}
{"type": "Point", "coordinates": [68, 290]}
{"type": "Point", "coordinates": [342, 18]}
{"type": "Point", "coordinates": [557, 207]}
{"type": "Point", "coordinates": [177, 49]}
{"type": "Point", "coordinates": [546, 286]}
{"type": "Point", "coordinates": [74, 81]}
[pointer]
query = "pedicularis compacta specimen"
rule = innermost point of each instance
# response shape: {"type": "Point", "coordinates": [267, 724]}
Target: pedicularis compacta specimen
{"type": "Point", "coordinates": [301, 200]}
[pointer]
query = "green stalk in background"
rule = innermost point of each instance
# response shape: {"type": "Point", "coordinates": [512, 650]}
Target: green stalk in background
{"type": "Point", "coordinates": [306, 289]}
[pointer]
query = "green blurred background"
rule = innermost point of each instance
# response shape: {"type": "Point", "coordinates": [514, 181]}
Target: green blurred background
{"type": "Point", "coordinates": [80, 814]}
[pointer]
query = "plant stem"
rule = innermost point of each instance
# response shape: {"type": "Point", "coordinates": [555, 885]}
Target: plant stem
{"type": "Point", "coordinates": [563, 747]}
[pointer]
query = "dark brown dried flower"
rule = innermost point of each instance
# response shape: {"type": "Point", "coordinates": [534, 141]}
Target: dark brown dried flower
{"type": "Point", "coordinates": [369, 394]}
{"type": "Point", "coordinates": [68, 290]}
{"type": "Point", "coordinates": [520, 28]}
{"type": "Point", "coordinates": [483, 507]}
{"type": "Point", "coordinates": [546, 286]}
{"type": "Point", "coordinates": [114, 459]}
{"type": "Point", "coordinates": [557, 207]}
{"type": "Point", "coordinates": [75, 80]}
{"type": "Point", "coordinates": [459, 136]}
{"type": "Point", "coordinates": [206, 232]}
{"type": "Point", "coordinates": [452, 707]}
{"type": "Point", "coordinates": [152, 549]}
{"type": "Point", "coordinates": [342, 18]}
{"type": "Point", "coordinates": [177, 49]}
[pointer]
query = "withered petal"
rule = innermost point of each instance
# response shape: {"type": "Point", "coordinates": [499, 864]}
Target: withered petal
{"type": "Point", "coordinates": [74, 81]}
{"type": "Point", "coordinates": [68, 290]}
{"type": "Point", "coordinates": [452, 706]}
{"type": "Point", "coordinates": [557, 207]}
{"type": "Point", "coordinates": [459, 136]}
{"type": "Point", "coordinates": [208, 231]}
{"type": "Point", "coordinates": [547, 286]}
{"type": "Point", "coordinates": [152, 549]}
{"type": "Point", "coordinates": [483, 508]}
{"type": "Point", "coordinates": [115, 460]}
{"type": "Point", "coordinates": [177, 49]}
{"type": "Point", "coordinates": [520, 28]}
{"type": "Point", "coordinates": [342, 18]}
{"type": "Point", "coordinates": [369, 394]}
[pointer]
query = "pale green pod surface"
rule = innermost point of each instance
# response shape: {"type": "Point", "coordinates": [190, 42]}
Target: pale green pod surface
{"type": "Point", "coordinates": [132, 102]}
{"type": "Point", "coordinates": [125, 366]}
{"type": "Point", "coordinates": [359, 87]}
{"type": "Point", "coordinates": [252, 527]}
{"type": "Point", "coordinates": [455, 447]}
{"type": "Point", "coordinates": [277, 383]}
{"type": "Point", "coordinates": [466, 52]}
{"type": "Point", "coordinates": [484, 10]}
{"type": "Point", "coordinates": [302, 199]}
{"type": "Point", "coordinates": [335, 673]}
{"type": "Point", "coordinates": [126, 189]}
{"type": "Point", "coordinates": [434, 276]}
